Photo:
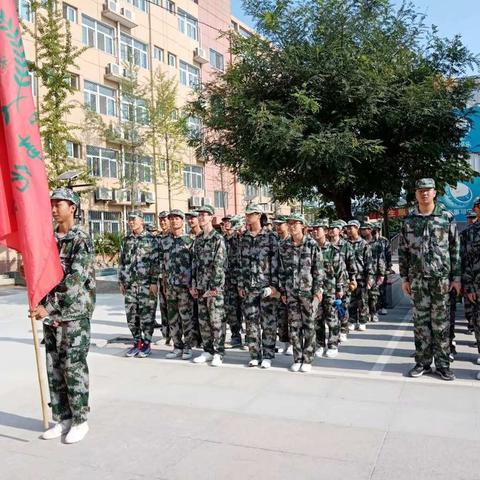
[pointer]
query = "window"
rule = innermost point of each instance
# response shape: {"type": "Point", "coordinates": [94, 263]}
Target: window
{"type": "Point", "coordinates": [73, 80]}
{"type": "Point", "coordinates": [194, 126]}
{"type": "Point", "coordinates": [133, 50]}
{"type": "Point", "coordinates": [244, 33]}
{"type": "Point", "coordinates": [73, 150]}
{"type": "Point", "coordinates": [158, 54]}
{"type": "Point", "coordinates": [98, 35]}
{"type": "Point", "coordinates": [100, 99]}
{"type": "Point", "coordinates": [193, 176]}
{"type": "Point", "coordinates": [33, 83]}
{"type": "Point", "coordinates": [172, 60]}
{"type": "Point", "coordinates": [170, 6]}
{"type": "Point", "coordinates": [251, 191]}
{"type": "Point", "coordinates": [103, 222]}
{"type": "Point", "coordinates": [189, 75]}
{"type": "Point", "coordinates": [70, 13]}
{"type": "Point", "coordinates": [267, 191]}
{"type": "Point", "coordinates": [149, 218]}
{"type": "Point", "coordinates": [216, 60]}
{"type": "Point", "coordinates": [187, 24]}
{"type": "Point", "coordinates": [102, 162]}
{"type": "Point", "coordinates": [138, 168]}
{"type": "Point", "coordinates": [134, 110]}
{"type": "Point", "coordinates": [24, 10]}
{"type": "Point", "coordinates": [220, 199]}
{"type": "Point", "coordinates": [140, 4]}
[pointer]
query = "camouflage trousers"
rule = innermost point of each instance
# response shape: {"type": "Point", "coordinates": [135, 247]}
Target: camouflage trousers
{"type": "Point", "coordinates": [282, 323]}
{"type": "Point", "coordinates": [346, 299]}
{"type": "Point", "coordinates": [452, 307]}
{"type": "Point", "coordinates": [326, 316]}
{"type": "Point", "coordinates": [301, 324]}
{"type": "Point", "coordinates": [358, 309]}
{"type": "Point", "coordinates": [163, 311]}
{"type": "Point", "coordinates": [474, 315]}
{"type": "Point", "coordinates": [180, 317]}
{"type": "Point", "coordinates": [211, 316]}
{"type": "Point", "coordinates": [233, 310]}
{"type": "Point", "coordinates": [66, 349]}
{"type": "Point", "coordinates": [139, 303]}
{"type": "Point", "coordinates": [382, 300]}
{"type": "Point", "coordinates": [468, 309]}
{"type": "Point", "coordinates": [261, 323]}
{"type": "Point", "coordinates": [373, 299]}
{"type": "Point", "coordinates": [197, 335]}
{"type": "Point", "coordinates": [431, 320]}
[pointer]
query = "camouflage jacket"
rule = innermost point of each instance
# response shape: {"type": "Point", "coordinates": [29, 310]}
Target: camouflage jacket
{"type": "Point", "coordinates": [209, 259]}
{"type": "Point", "coordinates": [74, 297]}
{"type": "Point", "coordinates": [429, 246]}
{"type": "Point", "coordinates": [334, 268]}
{"type": "Point", "coordinates": [362, 256]}
{"type": "Point", "coordinates": [379, 262]}
{"type": "Point", "coordinates": [176, 265]}
{"type": "Point", "coordinates": [301, 271]}
{"type": "Point", "coordinates": [139, 259]}
{"type": "Point", "coordinates": [258, 260]}
{"type": "Point", "coordinates": [470, 258]}
{"type": "Point", "coordinates": [161, 240]}
{"type": "Point", "coordinates": [346, 252]}
{"type": "Point", "coordinates": [387, 251]}
{"type": "Point", "coordinates": [232, 243]}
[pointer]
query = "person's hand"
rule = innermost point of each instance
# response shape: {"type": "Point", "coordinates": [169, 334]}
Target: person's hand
{"type": "Point", "coordinates": [380, 280]}
{"type": "Point", "coordinates": [194, 292]}
{"type": "Point", "coordinates": [406, 288]}
{"type": "Point", "coordinates": [318, 296]}
{"type": "Point", "coordinates": [352, 286]}
{"type": "Point", "coordinates": [274, 292]}
{"type": "Point", "coordinates": [122, 288]}
{"type": "Point", "coordinates": [39, 313]}
{"type": "Point", "coordinates": [456, 286]}
{"type": "Point", "coordinates": [471, 297]}
{"type": "Point", "coordinates": [339, 295]}
{"type": "Point", "coordinates": [21, 271]}
{"type": "Point", "coordinates": [241, 292]}
{"type": "Point", "coordinates": [154, 290]}
{"type": "Point", "coordinates": [211, 293]}
{"type": "Point", "coordinates": [284, 299]}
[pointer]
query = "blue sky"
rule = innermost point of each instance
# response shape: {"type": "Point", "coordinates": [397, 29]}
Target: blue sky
{"type": "Point", "coordinates": [450, 16]}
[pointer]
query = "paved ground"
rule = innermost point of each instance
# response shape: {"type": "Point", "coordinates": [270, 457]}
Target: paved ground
{"type": "Point", "coordinates": [355, 417]}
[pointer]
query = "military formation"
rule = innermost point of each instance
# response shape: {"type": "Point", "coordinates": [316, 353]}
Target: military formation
{"type": "Point", "coordinates": [280, 287]}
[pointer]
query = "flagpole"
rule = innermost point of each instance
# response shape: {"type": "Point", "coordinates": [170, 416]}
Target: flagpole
{"type": "Point", "coordinates": [40, 374]}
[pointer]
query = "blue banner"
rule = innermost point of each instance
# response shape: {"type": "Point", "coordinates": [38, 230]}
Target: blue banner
{"type": "Point", "coordinates": [459, 200]}
{"type": "Point", "coordinates": [472, 138]}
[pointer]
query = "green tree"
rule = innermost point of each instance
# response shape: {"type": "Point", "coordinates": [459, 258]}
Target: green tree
{"type": "Point", "coordinates": [56, 57]}
{"type": "Point", "coordinates": [339, 98]}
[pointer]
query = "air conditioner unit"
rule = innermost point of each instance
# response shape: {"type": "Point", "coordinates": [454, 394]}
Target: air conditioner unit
{"type": "Point", "coordinates": [115, 72]}
{"type": "Point", "coordinates": [148, 197]}
{"type": "Point", "coordinates": [113, 6]}
{"type": "Point", "coordinates": [128, 14]}
{"type": "Point", "coordinates": [122, 195]}
{"type": "Point", "coordinates": [195, 202]}
{"type": "Point", "coordinates": [104, 194]}
{"type": "Point", "coordinates": [139, 198]}
{"type": "Point", "coordinates": [200, 55]}
{"type": "Point", "coordinates": [124, 16]}
{"type": "Point", "coordinates": [206, 201]}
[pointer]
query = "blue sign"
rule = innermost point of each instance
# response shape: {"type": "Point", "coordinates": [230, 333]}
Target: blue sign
{"type": "Point", "coordinates": [472, 138]}
{"type": "Point", "coordinates": [459, 200]}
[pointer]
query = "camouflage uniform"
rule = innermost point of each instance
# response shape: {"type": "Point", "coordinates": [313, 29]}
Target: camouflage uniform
{"type": "Point", "coordinates": [162, 297]}
{"type": "Point", "coordinates": [71, 304]}
{"type": "Point", "coordinates": [301, 276]}
{"type": "Point", "coordinates": [176, 270]}
{"type": "Point", "coordinates": [387, 253]}
{"type": "Point", "coordinates": [258, 269]}
{"type": "Point", "coordinates": [429, 260]}
{"type": "Point", "coordinates": [362, 255]}
{"type": "Point", "coordinates": [282, 314]}
{"type": "Point", "coordinates": [208, 273]}
{"type": "Point", "coordinates": [138, 269]}
{"type": "Point", "coordinates": [379, 266]}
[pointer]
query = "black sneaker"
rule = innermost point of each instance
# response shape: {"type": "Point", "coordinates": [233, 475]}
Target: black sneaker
{"type": "Point", "coordinates": [445, 374]}
{"type": "Point", "coordinates": [418, 370]}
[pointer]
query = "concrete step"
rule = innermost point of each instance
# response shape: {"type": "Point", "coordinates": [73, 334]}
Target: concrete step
{"type": "Point", "coordinates": [6, 281]}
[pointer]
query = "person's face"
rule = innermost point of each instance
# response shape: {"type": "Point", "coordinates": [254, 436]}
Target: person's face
{"type": "Point", "coordinates": [62, 210]}
{"type": "Point", "coordinates": [425, 196]}
{"type": "Point", "coordinates": [352, 231]}
{"type": "Point", "coordinates": [366, 232]}
{"type": "Point", "coordinates": [227, 226]}
{"type": "Point", "coordinates": [281, 228]}
{"type": "Point", "coordinates": [295, 227]}
{"type": "Point", "coordinates": [334, 232]}
{"type": "Point", "coordinates": [252, 218]}
{"type": "Point", "coordinates": [318, 234]}
{"type": "Point", "coordinates": [176, 222]}
{"type": "Point", "coordinates": [164, 224]}
{"type": "Point", "coordinates": [204, 219]}
{"type": "Point", "coordinates": [135, 224]}
{"type": "Point", "coordinates": [476, 209]}
{"type": "Point", "coordinates": [192, 222]}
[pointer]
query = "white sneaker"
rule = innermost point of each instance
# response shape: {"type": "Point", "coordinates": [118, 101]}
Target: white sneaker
{"type": "Point", "coordinates": [77, 433]}
{"type": "Point", "coordinates": [306, 367]}
{"type": "Point", "coordinates": [253, 363]}
{"type": "Point", "coordinates": [332, 352]}
{"type": "Point", "coordinates": [319, 352]}
{"type": "Point", "coordinates": [216, 361]}
{"type": "Point", "coordinates": [288, 351]}
{"type": "Point", "coordinates": [187, 355]}
{"type": "Point", "coordinates": [343, 338]}
{"type": "Point", "coordinates": [351, 327]}
{"type": "Point", "coordinates": [478, 360]}
{"type": "Point", "coordinates": [375, 318]}
{"type": "Point", "coordinates": [383, 311]}
{"type": "Point", "coordinates": [362, 327]}
{"type": "Point", "coordinates": [176, 353]}
{"type": "Point", "coordinates": [295, 367]}
{"type": "Point", "coordinates": [57, 430]}
{"type": "Point", "coordinates": [203, 358]}
{"type": "Point", "coordinates": [266, 363]}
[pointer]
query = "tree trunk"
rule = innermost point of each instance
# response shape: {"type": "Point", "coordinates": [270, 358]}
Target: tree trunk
{"type": "Point", "coordinates": [343, 204]}
{"type": "Point", "coordinates": [386, 230]}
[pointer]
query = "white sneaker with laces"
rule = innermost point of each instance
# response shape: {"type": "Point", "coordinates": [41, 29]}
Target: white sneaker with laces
{"type": "Point", "coordinates": [57, 430]}
{"type": "Point", "coordinates": [77, 433]}
{"type": "Point", "coordinates": [362, 327]}
{"type": "Point", "coordinates": [187, 355]}
{"type": "Point", "coordinates": [306, 367]}
{"type": "Point", "coordinates": [203, 358]}
{"type": "Point", "coordinates": [375, 318]}
{"type": "Point", "coordinates": [383, 311]}
{"type": "Point", "coordinates": [351, 327]}
{"type": "Point", "coordinates": [295, 367]}
{"type": "Point", "coordinates": [343, 338]}
{"type": "Point", "coordinates": [266, 363]}
{"type": "Point", "coordinates": [216, 361]}
{"type": "Point", "coordinates": [319, 352]}
{"type": "Point", "coordinates": [176, 353]}
{"type": "Point", "coordinates": [332, 352]}
{"type": "Point", "coordinates": [253, 362]}
{"type": "Point", "coordinates": [289, 351]}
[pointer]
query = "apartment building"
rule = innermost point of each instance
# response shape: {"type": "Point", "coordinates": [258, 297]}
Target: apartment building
{"type": "Point", "coordinates": [180, 38]}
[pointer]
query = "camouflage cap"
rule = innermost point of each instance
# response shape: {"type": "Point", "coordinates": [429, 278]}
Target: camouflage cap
{"type": "Point", "coordinates": [253, 208]}
{"type": "Point", "coordinates": [191, 213]}
{"type": "Point", "coordinates": [280, 219]}
{"type": "Point", "coordinates": [65, 194]}
{"type": "Point", "coordinates": [321, 222]}
{"type": "Point", "coordinates": [135, 213]}
{"type": "Point", "coordinates": [341, 222]}
{"type": "Point", "coordinates": [471, 215]}
{"type": "Point", "coordinates": [227, 218]}
{"type": "Point", "coordinates": [353, 223]}
{"type": "Point", "coordinates": [163, 214]}
{"type": "Point", "coordinates": [476, 201]}
{"type": "Point", "coordinates": [425, 183]}
{"type": "Point", "coordinates": [296, 217]}
{"type": "Point", "coordinates": [366, 225]}
{"type": "Point", "coordinates": [336, 224]}
{"type": "Point", "coordinates": [177, 213]}
{"type": "Point", "coordinates": [207, 209]}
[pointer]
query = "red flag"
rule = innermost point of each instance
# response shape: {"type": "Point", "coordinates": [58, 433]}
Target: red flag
{"type": "Point", "coordinates": [25, 212]}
